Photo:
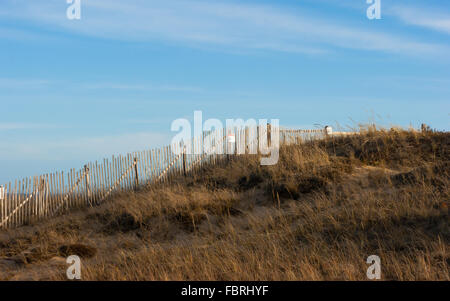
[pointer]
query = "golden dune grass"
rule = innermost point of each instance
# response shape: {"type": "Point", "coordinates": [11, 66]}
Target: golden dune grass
{"type": "Point", "coordinates": [316, 215]}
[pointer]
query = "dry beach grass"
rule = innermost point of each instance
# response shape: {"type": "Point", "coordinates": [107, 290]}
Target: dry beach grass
{"type": "Point", "coordinates": [316, 215]}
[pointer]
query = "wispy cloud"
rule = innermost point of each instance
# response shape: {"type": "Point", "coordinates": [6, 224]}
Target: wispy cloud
{"type": "Point", "coordinates": [23, 126]}
{"type": "Point", "coordinates": [82, 147]}
{"type": "Point", "coordinates": [16, 34]}
{"type": "Point", "coordinates": [20, 83]}
{"type": "Point", "coordinates": [26, 83]}
{"type": "Point", "coordinates": [219, 24]}
{"type": "Point", "coordinates": [434, 19]}
{"type": "Point", "coordinates": [147, 121]}
{"type": "Point", "coordinates": [141, 87]}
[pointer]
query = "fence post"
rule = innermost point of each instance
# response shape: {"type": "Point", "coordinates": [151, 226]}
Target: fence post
{"type": "Point", "coordinates": [136, 174]}
{"type": "Point", "coordinates": [425, 128]}
{"type": "Point", "coordinates": [228, 144]}
{"type": "Point", "coordinates": [328, 130]}
{"type": "Point", "coordinates": [88, 186]}
{"type": "Point", "coordinates": [258, 138]}
{"type": "Point", "coordinates": [87, 179]}
{"type": "Point", "coordinates": [184, 160]}
{"type": "Point", "coordinates": [3, 206]}
{"type": "Point", "coordinates": [238, 142]}
{"type": "Point", "coordinates": [41, 197]}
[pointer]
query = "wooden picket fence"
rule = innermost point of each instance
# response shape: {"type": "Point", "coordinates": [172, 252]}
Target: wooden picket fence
{"type": "Point", "coordinates": [32, 199]}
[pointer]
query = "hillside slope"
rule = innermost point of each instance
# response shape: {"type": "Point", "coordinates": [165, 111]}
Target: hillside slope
{"type": "Point", "coordinates": [316, 215]}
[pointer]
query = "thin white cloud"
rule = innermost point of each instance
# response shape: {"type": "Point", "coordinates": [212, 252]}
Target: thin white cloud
{"type": "Point", "coordinates": [141, 87]}
{"type": "Point", "coordinates": [147, 121]}
{"type": "Point", "coordinates": [223, 25]}
{"type": "Point", "coordinates": [433, 19]}
{"type": "Point", "coordinates": [23, 126]}
{"type": "Point", "coordinates": [15, 34]}
{"type": "Point", "coordinates": [43, 155]}
{"type": "Point", "coordinates": [20, 83]}
{"type": "Point", "coordinates": [26, 83]}
{"type": "Point", "coordinates": [82, 147]}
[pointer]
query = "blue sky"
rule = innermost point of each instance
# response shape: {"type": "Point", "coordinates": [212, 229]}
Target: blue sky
{"type": "Point", "coordinates": [74, 91]}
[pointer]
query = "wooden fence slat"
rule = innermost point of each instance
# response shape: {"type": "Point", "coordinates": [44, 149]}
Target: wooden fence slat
{"type": "Point", "coordinates": [126, 180]}
{"type": "Point", "coordinates": [60, 189]}
{"type": "Point", "coordinates": [7, 200]}
{"type": "Point", "coordinates": [20, 200]}
{"type": "Point", "coordinates": [129, 176]}
{"type": "Point", "coordinates": [80, 190]}
{"type": "Point", "coordinates": [116, 169]}
{"type": "Point", "coordinates": [26, 206]}
{"type": "Point", "coordinates": [124, 163]}
{"type": "Point", "coordinates": [97, 188]}
{"type": "Point", "coordinates": [106, 185]}
{"type": "Point", "coordinates": [69, 187]}
{"type": "Point", "coordinates": [15, 203]}
{"type": "Point", "coordinates": [153, 165]}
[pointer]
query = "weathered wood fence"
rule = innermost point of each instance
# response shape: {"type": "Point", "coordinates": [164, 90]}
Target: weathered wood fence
{"type": "Point", "coordinates": [35, 198]}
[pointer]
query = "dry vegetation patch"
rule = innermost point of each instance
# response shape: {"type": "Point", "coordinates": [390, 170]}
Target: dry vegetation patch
{"type": "Point", "coordinates": [316, 215]}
